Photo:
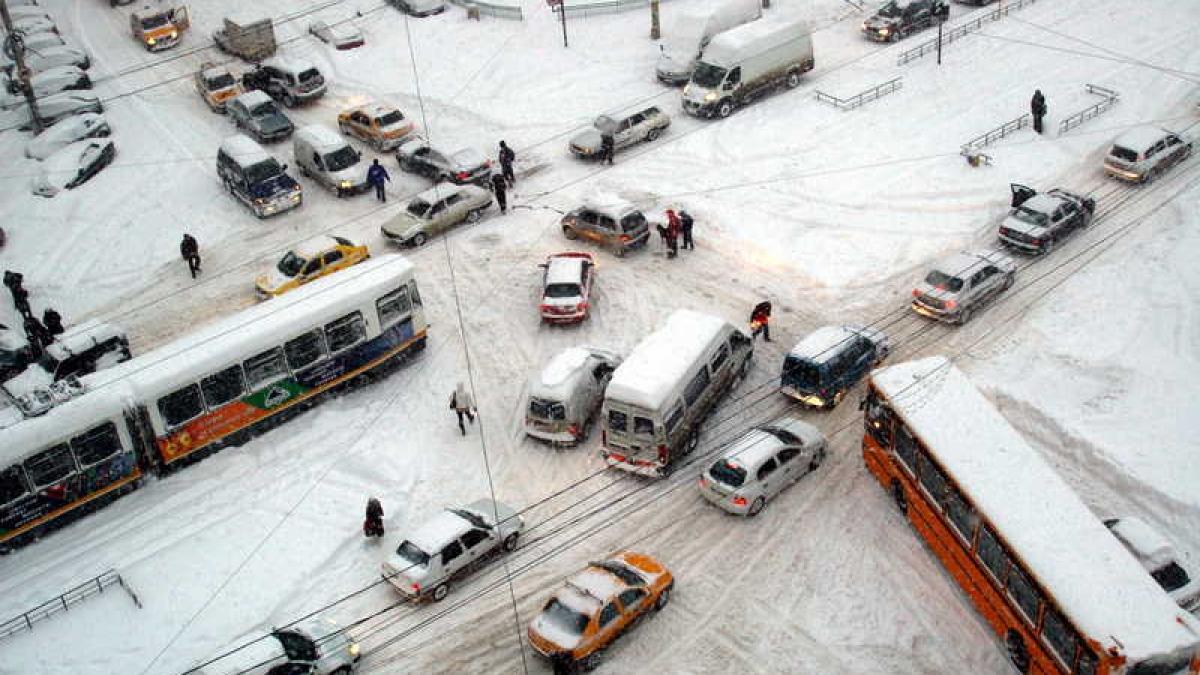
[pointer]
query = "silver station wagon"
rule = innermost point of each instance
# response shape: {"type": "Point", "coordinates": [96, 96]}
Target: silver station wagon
{"type": "Point", "coordinates": [1144, 153]}
{"type": "Point", "coordinates": [644, 125]}
{"type": "Point", "coordinates": [760, 464]}
{"type": "Point", "coordinates": [960, 285]}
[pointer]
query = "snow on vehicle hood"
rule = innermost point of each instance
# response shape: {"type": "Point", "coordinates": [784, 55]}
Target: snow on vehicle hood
{"type": "Point", "coordinates": [589, 140]}
{"type": "Point", "coordinates": [272, 280]}
{"type": "Point", "coordinates": [273, 122]}
{"type": "Point", "coordinates": [404, 225]}
{"type": "Point", "coordinates": [70, 130]}
{"type": "Point", "coordinates": [673, 63]}
{"type": "Point", "coordinates": [356, 174]}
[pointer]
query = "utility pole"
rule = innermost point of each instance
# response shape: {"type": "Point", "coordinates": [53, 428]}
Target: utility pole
{"type": "Point", "coordinates": [15, 46]}
{"type": "Point", "coordinates": [561, 6]}
{"type": "Point", "coordinates": [941, 13]}
{"type": "Point", "coordinates": [655, 32]}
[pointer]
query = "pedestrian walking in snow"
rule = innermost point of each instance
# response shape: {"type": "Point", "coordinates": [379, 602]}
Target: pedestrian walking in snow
{"type": "Point", "coordinates": [606, 147]}
{"type": "Point", "coordinates": [376, 177]}
{"type": "Point", "coordinates": [685, 226]}
{"type": "Point", "coordinates": [760, 320]}
{"type": "Point", "coordinates": [52, 320]}
{"type": "Point", "coordinates": [1037, 106]}
{"type": "Point", "coordinates": [507, 157]}
{"type": "Point", "coordinates": [373, 523]}
{"type": "Point", "coordinates": [462, 404]}
{"type": "Point", "coordinates": [189, 249]}
{"type": "Point", "coordinates": [673, 230]}
{"type": "Point", "coordinates": [499, 185]}
{"type": "Point", "coordinates": [14, 281]}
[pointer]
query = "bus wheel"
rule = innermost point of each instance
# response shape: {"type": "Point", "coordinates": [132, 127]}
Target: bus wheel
{"type": "Point", "coordinates": [1017, 653]}
{"type": "Point", "coordinates": [898, 495]}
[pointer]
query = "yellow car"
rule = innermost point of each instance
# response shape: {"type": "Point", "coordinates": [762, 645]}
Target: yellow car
{"type": "Point", "coordinates": [596, 606]}
{"type": "Point", "coordinates": [380, 126]}
{"type": "Point", "coordinates": [308, 261]}
{"type": "Point", "coordinates": [216, 85]}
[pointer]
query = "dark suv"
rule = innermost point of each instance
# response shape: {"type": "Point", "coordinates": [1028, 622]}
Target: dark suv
{"type": "Point", "coordinates": [899, 18]}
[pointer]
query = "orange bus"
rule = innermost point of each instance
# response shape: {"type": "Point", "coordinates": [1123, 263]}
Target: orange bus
{"type": "Point", "coordinates": [1054, 584]}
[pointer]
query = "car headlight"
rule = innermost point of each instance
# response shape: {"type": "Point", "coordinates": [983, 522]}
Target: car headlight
{"type": "Point", "coordinates": [884, 31]}
{"type": "Point", "coordinates": [260, 201]}
{"type": "Point", "coordinates": [346, 184]}
{"type": "Point", "coordinates": [174, 34]}
{"type": "Point", "coordinates": [151, 41]}
{"type": "Point", "coordinates": [710, 97]}
{"type": "Point", "coordinates": [353, 649]}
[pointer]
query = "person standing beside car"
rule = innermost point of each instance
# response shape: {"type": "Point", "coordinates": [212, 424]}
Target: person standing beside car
{"type": "Point", "coordinates": [189, 249]}
{"type": "Point", "coordinates": [499, 184]}
{"type": "Point", "coordinates": [507, 157]}
{"type": "Point", "coordinates": [376, 176]}
{"type": "Point", "coordinates": [606, 147]}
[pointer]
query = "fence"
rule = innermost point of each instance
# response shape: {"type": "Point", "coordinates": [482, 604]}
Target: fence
{"type": "Point", "coordinates": [602, 7]}
{"type": "Point", "coordinates": [498, 11]}
{"type": "Point", "coordinates": [63, 602]}
{"type": "Point", "coordinates": [1108, 98]}
{"type": "Point", "coordinates": [863, 96]}
{"type": "Point", "coordinates": [962, 30]}
{"type": "Point", "coordinates": [972, 146]}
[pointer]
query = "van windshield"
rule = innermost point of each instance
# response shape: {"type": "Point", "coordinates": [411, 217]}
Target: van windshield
{"type": "Point", "coordinates": [412, 554]}
{"type": "Point", "coordinates": [264, 170]}
{"type": "Point", "coordinates": [291, 264]}
{"type": "Point", "coordinates": [801, 373]}
{"type": "Point", "coordinates": [547, 410]}
{"type": "Point", "coordinates": [728, 473]}
{"type": "Point", "coordinates": [707, 75]}
{"type": "Point", "coordinates": [344, 158]}
{"type": "Point", "coordinates": [944, 281]}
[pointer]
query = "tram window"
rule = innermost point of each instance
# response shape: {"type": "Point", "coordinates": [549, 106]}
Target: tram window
{"type": "Point", "coordinates": [305, 350]}
{"type": "Point", "coordinates": [97, 444]}
{"type": "Point", "coordinates": [1059, 635]}
{"type": "Point", "coordinates": [906, 447]}
{"type": "Point", "coordinates": [51, 466]}
{"type": "Point", "coordinates": [931, 478]}
{"type": "Point", "coordinates": [222, 387]}
{"type": "Point", "coordinates": [12, 485]}
{"type": "Point", "coordinates": [991, 554]}
{"type": "Point", "coordinates": [265, 367]}
{"type": "Point", "coordinates": [345, 332]}
{"type": "Point", "coordinates": [393, 306]}
{"type": "Point", "coordinates": [1024, 593]}
{"type": "Point", "coordinates": [961, 514]}
{"type": "Point", "coordinates": [180, 406]}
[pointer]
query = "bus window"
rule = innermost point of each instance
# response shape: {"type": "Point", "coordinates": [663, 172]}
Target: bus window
{"type": "Point", "coordinates": [393, 307]}
{"type": "Point", "coordinates": [12, 485]}
{"type": "Point", "coordinates": [991, 554]}
{"type": "Point", "coordinates": [180, 406]}
{"type": "Point", "coordinates": [931, 478]}
{"type": "Point", "coordinates": [222, 387]}
{"type": "Point", "coordinates": [345, 332]}
{"type": "Point", "coordinates": [1059, 636]}
{"type": "Point", "coordinates": [696, 387]}
{"type": "Point", "coordinates": [1024, 593]}
{"type": "Point", "coordinates": [51, 466]}
{"type": "Point", "coordinates": [305, 350]}
{"type": "Point", "coordinates": [265, 367]}
{"type": "Point", "coordinates": [96, 445]}
{"type": "Point", "coordinates": [962, 516]}
{"type": "Point", "coordinates": [906, 448]}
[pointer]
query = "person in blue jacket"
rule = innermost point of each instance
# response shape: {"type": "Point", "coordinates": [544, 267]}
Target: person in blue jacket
{"type": "Point", "coordinates": [376, 176]}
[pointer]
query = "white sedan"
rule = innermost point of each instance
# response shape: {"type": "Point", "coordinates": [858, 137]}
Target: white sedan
{"type": "Point", "coordinates": [61, 106]}
{"type": "Point", "coordinates": [73, 129]}
{"type": "Point", "coordinates": [340, 35]}
{"type": "Point", "coordinates": [45, 83]}
{"type": "Point", "coordinates": [73, 165]}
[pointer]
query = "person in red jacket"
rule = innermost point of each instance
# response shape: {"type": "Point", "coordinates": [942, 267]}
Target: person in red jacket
{"type": "Point", "coordinates": [760, 320]}
{"type": "Point", "coordinates": [673, 229]}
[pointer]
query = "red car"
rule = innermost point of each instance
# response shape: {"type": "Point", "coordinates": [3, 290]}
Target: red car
{"type": "Point", "coordinates": [567, 287]}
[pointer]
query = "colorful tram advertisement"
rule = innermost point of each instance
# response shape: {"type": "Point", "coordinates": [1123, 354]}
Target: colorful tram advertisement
{"type": "Point", "coordinates": [213, 387]}
{"type": "Point", "coordinates": [1057, 588]}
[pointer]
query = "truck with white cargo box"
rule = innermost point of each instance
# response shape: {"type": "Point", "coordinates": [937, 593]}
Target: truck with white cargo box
{"type": "Point", "coordinates": [691, 30]}
{"type": "Point", "coordinates": [251, 37]}
{"type": "Point", "coordinates": [745, 62]}
{"type": "Point", "coordinates": [659, 397]}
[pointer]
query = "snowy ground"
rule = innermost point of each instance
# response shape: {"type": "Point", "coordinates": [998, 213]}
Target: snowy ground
{"type": "Point", "coordinates": [833, 215]}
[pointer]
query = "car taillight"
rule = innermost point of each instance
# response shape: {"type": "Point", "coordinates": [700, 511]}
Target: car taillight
{"type": "Point", "coordinates": [569, 220]}
{"type": "Point", "coordinates": [703, 481]}
{"type": "Point", "coordinates": [739, 501]}
{"type": "Point", "coordinates": [950, 304]}
{"type": "Point", "coordinates": [581, 307]}
{"type": "Point", "coordinates": [416, 588]}
{"type": "Point", "coordinates": [663, 454]}
{"type": "Point", "coordinates": [544, 307]}
{"type": "Point", "coordinates": [624, 238]}
{"type": "Point", "coordinates": [916, 293]}
{"type": "Point", "coordinates": [463, 175]}
{"type": "Point", "coordinates": [573, 429]}
{"type": "Point", "coordinates": [1036, 242]}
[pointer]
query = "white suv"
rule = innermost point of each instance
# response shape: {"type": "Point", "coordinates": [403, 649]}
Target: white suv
{"type": "Point", "coordinates": [423, 565]}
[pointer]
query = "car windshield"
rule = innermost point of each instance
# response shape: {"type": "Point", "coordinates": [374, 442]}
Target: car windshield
{"type": "Point", "coordinates": [418, 208]}
{"type": "Point", "coordinates": [257, 173]}
{"type": "Point", "coordinates": [1170, 576]}
{"type": "Point", "coordinates": [622, 572]}
{"type": "Point", "coordinates": [801, 373]}
{"type": "Point", "coordinates": [707, 75]}
{"type": "Point", "coordinates": [263, 109]}
{"type": "Point", "coordinates": [1029, 216]}
{"type": "Point", "coordinates": [890, 11]}
{"type": "Point", "coordinates": [291, 264]}
{"type": "Point", "coordinates": [633, 221]}
{"type": "Point", "coordinates": [562, 291]}
{"type": "Point", "coordinates": [309, 75]}
{"type": "Point", "coordinates": [547, 410]}
{"type": "Point", "coordinates": [344, 158]}
{"type": "Point", "coordinates": [220, 81]}
{"type": "Point", "coordinates": [564, 618]}
{"type": "Point", "coordinates": [394, 117]}
{"type": "Point", "coordinates": [727, 472]}
{"type": "Point", "coordinates": [412, 554]}
{"type": "Point", "coordinates": [943, 281]}
{"type": "Point", "coordinates": [1121, 152]}
{"type": "Point", "coordinates": [152, 22]}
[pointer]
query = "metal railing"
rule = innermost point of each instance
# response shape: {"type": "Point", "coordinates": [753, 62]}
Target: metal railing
{"type": "Point", "coordinates": [62, 603]}
{"type": "Point", "coordinates": [863, 96]}
{"type": "Point", "coordinates": [498, 11]}
{"type": "Point", "coordinates": [973, 145]}
{"type": "Point", "coordinates": [1006, 7]}
{"type": "Point", "coordinates": [1108, 98]}
{"type": "Point", "coordinates": [602, 7]}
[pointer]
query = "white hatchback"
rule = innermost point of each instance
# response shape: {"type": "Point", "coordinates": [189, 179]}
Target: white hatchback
{"type": "Point", "coordinates": [761, 463]}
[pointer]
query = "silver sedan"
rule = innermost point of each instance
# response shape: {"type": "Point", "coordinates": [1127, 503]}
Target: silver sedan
{"type": "Point", "coordinates": [436, 210]}
{"type": "Point", "coordinates": [761, 463]}
{"type": "Point", "coordinates": [645, 125]}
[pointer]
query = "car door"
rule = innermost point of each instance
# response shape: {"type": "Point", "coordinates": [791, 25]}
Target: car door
{"type": "Point", "coordinates": [333, 261]}
{"type": "Point", "coordinates": [477, 543]}
{"type": "Point", "coordinates": [360, 125]}
{"type": "Point", "coordinates": [310, 271]}
{"type": "Point", "coordinates": [633, 602]}
{"type": "Point", "coordinates": [790, 466]}
{"type": "Point", "coordinates": [452, 559]}
{"type": "Point", "coordinates": [768, 478]}
{"type": "Point", "coordinates": [606, 229]}
{"type": "Point", "coordinates": [1020, 194]}
{"type": "Point", "coordinates": [608, 624]}
{"type": "Point", "coordinates": [439, 217]}
{"type": "Point", "coordinates": [626, 132]}
{"type": "Point", "coordinates": [585, 281]}
{"type": "Point", "coordinates": [456, 209]}
{"type": "Point", "coordinates": [1175, 148]}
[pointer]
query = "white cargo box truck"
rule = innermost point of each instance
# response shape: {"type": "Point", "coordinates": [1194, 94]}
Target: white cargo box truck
{"type": "Point", "coordinates": [690, 31]}
{"type": "Point", "coordinates": [743, 63]}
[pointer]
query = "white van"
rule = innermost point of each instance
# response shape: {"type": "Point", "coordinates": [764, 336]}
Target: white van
{"type": "Point", "coordinates": [658, 398]}
{"type": "Point", "coordinates": [565, 396]}
{"type": "Point", "coordinates": [690, 31]}
{"type": "Point", "coordinates": [744, 62]}
{"type": "Point", "coordinates": [324, 155]}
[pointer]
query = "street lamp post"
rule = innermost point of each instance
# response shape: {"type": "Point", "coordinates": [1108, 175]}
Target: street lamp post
{"type": "Point", "coordinates": [561, 5]}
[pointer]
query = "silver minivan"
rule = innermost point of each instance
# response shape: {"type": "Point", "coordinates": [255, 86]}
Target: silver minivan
{"type": "Point", "coordinates": [324, 155]}
{"type": "Point", "coordinates": [761, 463]}
{"type": "Point", "coordinates": [565, 396]}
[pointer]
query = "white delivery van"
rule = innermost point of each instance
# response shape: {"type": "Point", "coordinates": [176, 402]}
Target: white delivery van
{"type": "Point", "coordinates": [690, 31]}
{"type": "Point", "coordinates": [745, 62]}
{"type": "Point", "coordinates": [565, 396]}
{"type": "Point", "coordinates": [324, 155]}
{"type": "Point", "coordinates": [658, 398]}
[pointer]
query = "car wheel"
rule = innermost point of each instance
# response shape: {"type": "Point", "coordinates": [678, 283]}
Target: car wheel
{"type": "Point", "coordinates": [344, 670]}
{"type": "Point", "coordinates": [474, 215]}
{"type": "Point", "coordinates": [756, 507]}
{"type": "Point", "coordinates": [652, 134]}
{"type": "Point", "coordinates": [900, 498]}
{"type": "Point", "coordinates": [1008, 282]}
{"type": "Point", "coordinates": [964, 316]}
{"type": "Point", "coordinates": [570, 233]}
{"type": "Point", "coordinates": [420, 239]}
{"type": "Point", "coordinates": [725, 109]}
{"type": "Point", "coordinates": [816, 460]}
{"type": "Point", "coordinates": [793, 79]}
{"type": "Point", "coordinates": [511, 541]}
{"type": "Point", "coordinates": [663, 599]}
{"type": "Point", "coordinates": [440, 592]}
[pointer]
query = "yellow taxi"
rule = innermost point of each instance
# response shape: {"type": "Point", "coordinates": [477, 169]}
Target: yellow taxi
{"type": "Point", "coordinates": [311, 260]}
{"type": "Point", "coordinates": [216, 85]}
{"type": "Point", "coordinates": [596, 606]}
{"type": "Point", "coordinates": [380, 126]}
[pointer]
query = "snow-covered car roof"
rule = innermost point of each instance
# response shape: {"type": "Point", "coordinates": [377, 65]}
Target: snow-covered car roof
{"type": "Point", "coordinates": [565, 269]}
{"type": "Point", "coordinates": [657, 364]}
{"type": "Point", "coordinates": [253, 98]}
{"type": "Point", "coordinates": [290, 64]}
{"type": "Point", "coordinates": [320, 137]}
{"type": "Point", "coordinates": [443, 528]}
{"type": "Point", "coordinates": [1042, 202]}
{"type": "Point", "coordinates": [210, 71]}
{"type": "Point", "coordinates": [824, 343]}
{"type": "Point", "coordinates": [244, 150]}
{"type": "Point", "coordinates": [609, 204]}
{"type": "Point", "coordinates": [752, 448]}
{"type": "Point", "coordinates": [564, 368]}
{"type": "Point", "coordinates": [1139, 139]}
{"type": "Point", "coordinates": [375, 109]}
{"type": "Point", "coordinates": [468, 158]}
{"type": "Point", "coordinates": [315, 246]}
{"type": "Point", "coordinates": [443, 190]}
{"type": "Point", "coordinates": [1149, 546]}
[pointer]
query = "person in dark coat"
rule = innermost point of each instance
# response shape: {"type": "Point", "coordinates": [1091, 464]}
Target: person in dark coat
{"type": "Point", "coordinates": [376, 177]}
{"type": "Point", "coordinates": [673, 228]}
{"type": "Point", "coordinates": [52, 320]}
{"type": "Point", "coordinates": [606, 147]}
{"type": "Point", "coordinates": [20, 296]}
{"type": "Point", "coordinates": [1037, 107]}
{"type": "Point", "coordinates": [373, 523]}
{"type": "Point", "coordinates": [499, 185]}
{"type": "Point", "coordinates": [760, 320]}
{"type": "Point", "coordinates": [507, 157]}
{"type": "Point", "coordinates": [685, 227]}
{"type": "Point", "coordinates": [189, 249]}
{"type": "Point", "coordinates": [37, 335]}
